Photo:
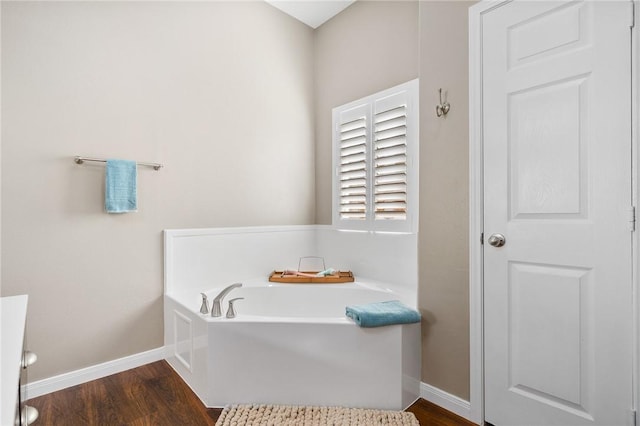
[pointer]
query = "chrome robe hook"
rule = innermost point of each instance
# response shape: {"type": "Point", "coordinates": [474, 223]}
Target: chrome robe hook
{"type": "Point", "coordinates": [444, 107]}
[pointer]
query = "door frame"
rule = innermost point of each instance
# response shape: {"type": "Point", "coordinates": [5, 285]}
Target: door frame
{"type": "Point", "coordinates": [476, 206]}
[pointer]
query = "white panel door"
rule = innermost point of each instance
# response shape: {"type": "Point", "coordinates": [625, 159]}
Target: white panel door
{"type": "Point", "coordinates": [556, 108]}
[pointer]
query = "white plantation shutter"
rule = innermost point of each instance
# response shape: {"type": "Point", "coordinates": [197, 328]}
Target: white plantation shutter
{"type": "Point", "coordinates": [376, 159]}
{"type": "Point", "coordinates": [352, 169]}
{"type": "Point", "coordinates": [390, 162]}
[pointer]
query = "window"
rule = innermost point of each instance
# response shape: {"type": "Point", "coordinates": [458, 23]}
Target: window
{"type": "Point", "coordinates": [375, 158]}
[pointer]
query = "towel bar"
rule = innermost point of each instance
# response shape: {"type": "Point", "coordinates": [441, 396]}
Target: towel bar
{"type": "Point", "coordinates": [80, 160]}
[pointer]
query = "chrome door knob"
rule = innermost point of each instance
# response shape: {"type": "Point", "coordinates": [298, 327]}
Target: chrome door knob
{"type": "Point", "coordinates": [497, 240]}
{"type": "Point", "coordinates": [28, 415]}
{"type": "Point", "coordinates": [28, 358]}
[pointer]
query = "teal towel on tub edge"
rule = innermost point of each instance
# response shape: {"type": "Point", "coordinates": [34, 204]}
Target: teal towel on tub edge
{"type": "Point", "coordinates": [382, 313]}
{"type": "Point", "coordinates": [121, 193]}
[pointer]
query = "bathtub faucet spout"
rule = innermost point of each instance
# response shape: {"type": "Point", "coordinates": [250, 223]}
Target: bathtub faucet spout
{"type": "Point", "coordinates": [216, 310]}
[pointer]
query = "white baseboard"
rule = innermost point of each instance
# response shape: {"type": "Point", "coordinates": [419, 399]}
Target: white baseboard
{"type": "Point", "coordinates": [446, 400]}
{"type": "Point", "coordinates": [73, 378]}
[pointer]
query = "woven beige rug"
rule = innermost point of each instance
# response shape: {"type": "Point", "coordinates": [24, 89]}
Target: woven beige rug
{"type": "Point", "coordinates": [277, 415]}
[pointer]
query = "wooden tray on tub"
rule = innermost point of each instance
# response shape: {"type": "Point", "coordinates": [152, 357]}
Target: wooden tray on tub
{"type": "Point", "coordinates": [337, 278]}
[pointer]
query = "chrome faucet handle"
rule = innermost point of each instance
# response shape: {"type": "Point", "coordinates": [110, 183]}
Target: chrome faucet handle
{"type": "Point", "coordinates": [231, 313]}
{"type": "Point", "coordinates": [216, 308]}
{"type": "Point", "coordinates": [204, 308]}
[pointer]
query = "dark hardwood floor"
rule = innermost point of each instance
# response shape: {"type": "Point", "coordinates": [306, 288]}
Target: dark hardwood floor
{"type": "Point", "coordinates": [155, 395]}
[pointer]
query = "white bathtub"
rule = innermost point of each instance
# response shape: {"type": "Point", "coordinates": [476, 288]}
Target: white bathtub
{"type": "Point", "coordinates": [292, 344]}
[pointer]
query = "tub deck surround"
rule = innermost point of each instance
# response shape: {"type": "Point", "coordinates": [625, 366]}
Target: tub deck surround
{"type": "Point", "coordinates": [288, 302]}
{"type": "Point", "coordinates": [290, 343]}
{"type": "Point", "coordinates": [207, 258]}
{"type": "Point", "coordinates": [293, 345]}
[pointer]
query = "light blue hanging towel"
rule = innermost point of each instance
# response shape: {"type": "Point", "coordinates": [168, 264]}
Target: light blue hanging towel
{"type": "Point", "coordinates": [382, 313]}
{"type": "Point", "coordinates": [120, 195]}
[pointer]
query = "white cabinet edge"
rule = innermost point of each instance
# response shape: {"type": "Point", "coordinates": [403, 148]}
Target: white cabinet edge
{"type": "Point", "coordinates": [13, 316]}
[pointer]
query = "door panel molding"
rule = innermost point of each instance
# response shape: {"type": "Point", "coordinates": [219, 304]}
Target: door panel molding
{"type": "Point", "coordinates": [476, 201]}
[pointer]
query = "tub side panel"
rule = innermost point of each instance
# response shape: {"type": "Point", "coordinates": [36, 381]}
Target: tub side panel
{"type": "Point", "coordinates": [411, 359]}
{"type": "Point", "coordinates": [305, 364]}
{"type": "Point", "coordinates": [185, 339]}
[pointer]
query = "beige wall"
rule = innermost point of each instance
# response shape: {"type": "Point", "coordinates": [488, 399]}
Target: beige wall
{"type": "Point", "coordinates": [444, 210]}
{"type": "Point", "coordinates": [370, 46]}
{"type": "Point", "coordinates": [220, 92]}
